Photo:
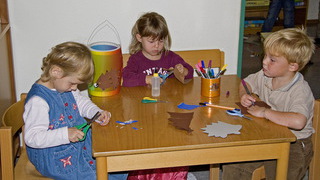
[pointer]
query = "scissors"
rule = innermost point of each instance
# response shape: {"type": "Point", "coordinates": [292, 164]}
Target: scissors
{"type": "Point", "coordinates": [85, 126]}
{"type": "Point", "coordinates": [237, 112]}
{"type": "Point", "coordinates": [151, 100]}
{"type": "Point", "coordinates": [165, 76]}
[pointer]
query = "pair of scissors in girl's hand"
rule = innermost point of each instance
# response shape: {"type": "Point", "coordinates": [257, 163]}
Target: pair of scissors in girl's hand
{"type": "Point", "coordinates": [237, 112]}
{"type": "Point", "coordinates": [86, 126]}
{"type": "Point", "coordinates": [165, 76]}
{"type": "Point", "coordinates": [151, 100]}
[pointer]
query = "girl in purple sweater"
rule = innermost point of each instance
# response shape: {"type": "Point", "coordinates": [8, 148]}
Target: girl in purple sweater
{"type": "Point", "coordinates": [150, 52]}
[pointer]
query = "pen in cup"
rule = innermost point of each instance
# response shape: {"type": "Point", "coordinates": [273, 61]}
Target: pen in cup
{"type": "Point", "coordinates": [221, 70]}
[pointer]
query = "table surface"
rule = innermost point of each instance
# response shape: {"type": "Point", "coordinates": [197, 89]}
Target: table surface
{"type": "Point", "coordinates": [156, 133]}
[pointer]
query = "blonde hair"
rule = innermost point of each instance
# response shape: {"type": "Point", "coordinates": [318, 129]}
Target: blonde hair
{"type": "Point", "coordinates": [153, 25]}
{"type": "Point", "coordinates": [291, 43]}
{"type": "Point", "coordinates": [73, 58]}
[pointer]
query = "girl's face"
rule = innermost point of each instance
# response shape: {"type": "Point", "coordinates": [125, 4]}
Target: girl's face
{"type": "Point", "coordinates": [67, 83]}
{"type": "Point", "coordinates": [151, 48]}
{"type": "Point", "coordinates": [62, 83]}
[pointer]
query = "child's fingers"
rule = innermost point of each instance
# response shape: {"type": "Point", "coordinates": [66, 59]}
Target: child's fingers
{"type": "Point", "coordinates": [247, 100]}
{"type": "Point", "coordinates": [75, 134]}
{"type": "Point", "coordinates": [104, 118]}
{"type": "Point", "coordinates": [179, 67]}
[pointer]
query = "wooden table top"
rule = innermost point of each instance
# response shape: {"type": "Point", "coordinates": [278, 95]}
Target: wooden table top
{"type": "Point", "coordinates": [155, 133]}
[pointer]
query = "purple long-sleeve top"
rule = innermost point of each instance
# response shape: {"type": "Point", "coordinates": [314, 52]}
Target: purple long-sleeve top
{"type": "Point", "coordinates": [138, 67]}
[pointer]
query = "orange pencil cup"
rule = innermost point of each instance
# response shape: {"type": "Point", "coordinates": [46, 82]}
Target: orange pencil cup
{"type": "Point", "coordinates": [210, 87]}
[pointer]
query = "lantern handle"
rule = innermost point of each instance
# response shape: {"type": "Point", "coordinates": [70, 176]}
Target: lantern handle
{"type": "Point", "coordinates": [100, 27]}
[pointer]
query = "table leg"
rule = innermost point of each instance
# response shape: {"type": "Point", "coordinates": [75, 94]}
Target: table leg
{"type": "Point", "coordinates": [102, 171]}
{"type": "Point", "coordinates": [214, 171]}
{"type": "Point", "coordinates": [282, 162]}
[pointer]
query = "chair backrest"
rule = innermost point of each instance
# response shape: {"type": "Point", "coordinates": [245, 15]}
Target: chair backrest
{"type": "Point", "coordinates": [12, 121]}
{"type": "Point", "coordinates": [259, 174]}
{"type": "Point", "coordinates": [314, 172]}
{"type": "Point", "coordinates": [192, 57]}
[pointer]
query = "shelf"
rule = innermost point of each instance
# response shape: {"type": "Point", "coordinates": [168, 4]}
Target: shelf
{"type": "Point", "coordinates": [261, 12]}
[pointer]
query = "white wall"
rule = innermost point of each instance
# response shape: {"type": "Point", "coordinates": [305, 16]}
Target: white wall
{"type": "Point", "coordinates": [38, 25]}
{"type": "Point", "coordinates": [313, 9]}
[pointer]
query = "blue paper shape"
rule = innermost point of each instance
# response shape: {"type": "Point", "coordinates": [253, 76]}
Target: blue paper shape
{"type": "Point", "coordinates": [187, 106]}
{"type": "Point", "coordinates": [126, 122]}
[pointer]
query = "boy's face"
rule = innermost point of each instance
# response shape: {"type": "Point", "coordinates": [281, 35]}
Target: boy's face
{"type": "Point", "coordinates": [151, 47]}
{"type": "Point", "coordinates": [276, 66]}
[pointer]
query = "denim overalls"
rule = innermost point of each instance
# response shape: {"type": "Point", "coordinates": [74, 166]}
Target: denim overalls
{"type": "Point", "coordinates": [69, 161]}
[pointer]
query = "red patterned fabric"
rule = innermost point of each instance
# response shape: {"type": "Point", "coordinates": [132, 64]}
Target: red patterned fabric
{"type": "Point", "coordinates": [176, 173]}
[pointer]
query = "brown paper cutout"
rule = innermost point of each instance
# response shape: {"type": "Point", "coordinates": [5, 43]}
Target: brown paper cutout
{"type": "Point", "coordinates": [109, 79]}
{"type": "Point", "coordinates": [180, 76]}
{"type": "Point", "coordinates": [258, 103]}
{"type": "Point", "coordinates": [181, 120]}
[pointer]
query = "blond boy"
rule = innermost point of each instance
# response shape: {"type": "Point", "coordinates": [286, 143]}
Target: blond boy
{"type": "Point", "coordinates": [281, 86]}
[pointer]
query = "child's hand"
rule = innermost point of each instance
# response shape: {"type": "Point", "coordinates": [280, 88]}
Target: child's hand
{"type": "Point", "coordinates": [104, 118]}
{"type": "Point", "coordinates": [181, 69]}
{"type": "Point", "coordinates": [75, 134]}
{"type": "Point", "coordinates": [247, 100]}
{"type": "Point", "coordinates": [148, 79]}
{"type": "Point", "coordinates": [257, 111]}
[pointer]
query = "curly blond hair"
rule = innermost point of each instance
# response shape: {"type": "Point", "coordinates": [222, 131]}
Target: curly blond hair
{"type": "Point", "coordinates": [73, 58]}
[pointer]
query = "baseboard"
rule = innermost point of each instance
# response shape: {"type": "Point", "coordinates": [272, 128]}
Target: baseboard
{"type": "Point", "coordinates": [312, 22]}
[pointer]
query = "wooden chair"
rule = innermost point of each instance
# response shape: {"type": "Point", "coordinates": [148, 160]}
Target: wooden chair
{"type": "Point", "coordinates": [14, 160]}
{"type": "Point", "coordinates": [259, 174]}
{"type": "Point", "coordinates": [192, 57]}
{"type": "Point", "coordinates": [314, 173]}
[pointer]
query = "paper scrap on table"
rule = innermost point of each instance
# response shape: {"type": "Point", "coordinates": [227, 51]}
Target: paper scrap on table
{"type": "Point", "coordinates": [181, 120]}
{"type": "Point", "coordinates": [187, 106]}
{"type": "Point", "coordinates": [127, 122]}
{"type": "Point", "coordinates": [221, 129]}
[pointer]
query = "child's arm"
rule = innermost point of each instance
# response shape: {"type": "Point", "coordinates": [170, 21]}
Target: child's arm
{"type": "Point", "coordinates": [88, 109]}
{"type": "Point", "coordinates": [188, 69]}
{"type": "Point", "coordinates": [292, 120]}
{"type": "Point", "coordinates": [131, 76]}
{"type": "Point", "coordinates": [36, 118]}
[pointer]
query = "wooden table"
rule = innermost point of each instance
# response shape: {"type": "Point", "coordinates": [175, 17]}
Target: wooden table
{"type": "Point", "coordinates": [157, 143]}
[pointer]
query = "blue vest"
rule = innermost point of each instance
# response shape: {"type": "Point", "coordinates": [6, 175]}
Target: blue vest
{"type": "Point", "coordinates": [69, 161]}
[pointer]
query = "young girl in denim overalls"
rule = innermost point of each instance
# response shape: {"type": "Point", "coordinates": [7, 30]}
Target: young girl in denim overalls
{"type": "Point", "coordinates": [54, 106]}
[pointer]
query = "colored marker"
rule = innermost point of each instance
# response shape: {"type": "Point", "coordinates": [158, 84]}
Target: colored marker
{"type": "Point", "coordinates": [246, 88]}
{"type": "Point", "coordinates": [209, 69]}
{"type": "Point", "coordinates": [217, 106]}
{"type": "Point", "coordinates": [222, 69]}
{"type": "Point", "coordinates": [209, 65]}
{"type": "Point", "coordinates": [199, 69]}
{"type": "Point", "coordinates": [212, 73]}
{"type": "Point", "coordinates": [202, 63]}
